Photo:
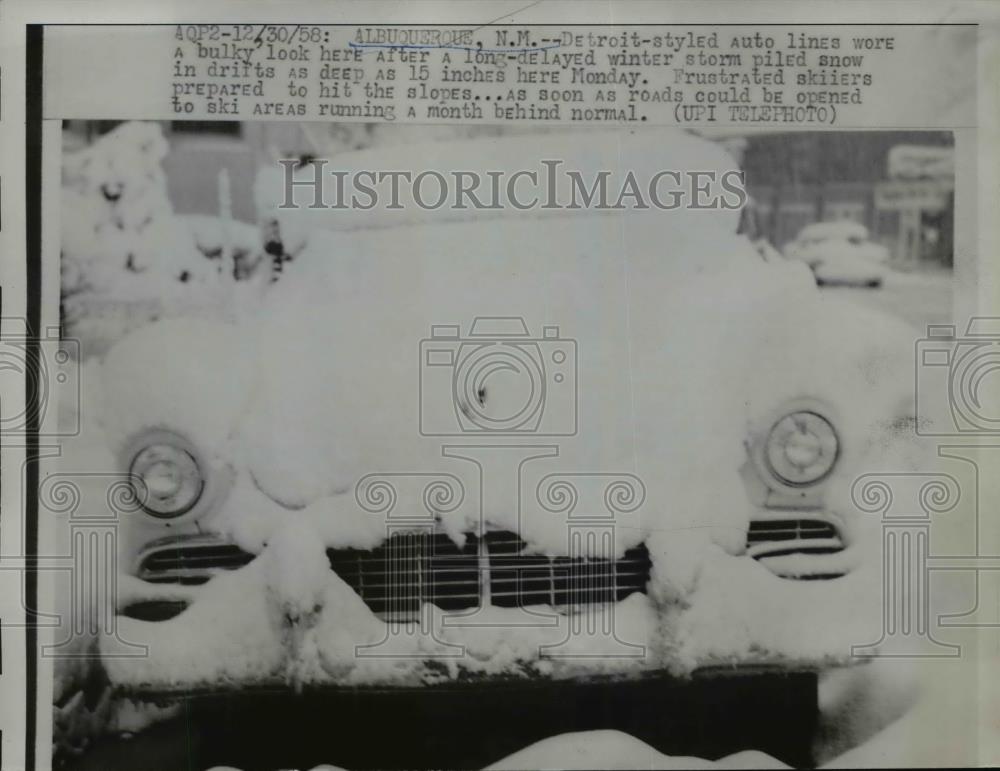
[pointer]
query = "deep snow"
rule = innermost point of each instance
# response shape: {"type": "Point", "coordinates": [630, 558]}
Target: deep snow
{"type": "Point", "coordinates": [280, 437]}
{"type": "Point", "coordinates": [657, 363]}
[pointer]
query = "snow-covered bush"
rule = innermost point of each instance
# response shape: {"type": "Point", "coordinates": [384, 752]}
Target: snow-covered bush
{"type": "Point", "coordinates": [127, 257]}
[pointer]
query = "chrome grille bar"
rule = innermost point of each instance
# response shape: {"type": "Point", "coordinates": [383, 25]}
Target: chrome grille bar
{"type": "Point", "coordinates": [495, 569]}
{"type": "Point", "coordinates": [809, 537]}
{"type": "Point", "coordinates": [410, 569]}
{"type": "Point", "coordinates": [189, 560]}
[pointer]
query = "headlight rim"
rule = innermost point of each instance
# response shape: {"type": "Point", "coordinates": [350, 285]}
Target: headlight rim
{"type": "Point", "coordinates": [189, 467]}
{"type": "Point", "coordinates": [210, 479]}
{"type": "Point", "coordinates": [771, 476]}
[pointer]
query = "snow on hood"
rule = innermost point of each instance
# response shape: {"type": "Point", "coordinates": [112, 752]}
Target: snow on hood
{"type": "Point", "coordinates": [185, 375]}
{"type": "Point", "coordinates": [661, 337]}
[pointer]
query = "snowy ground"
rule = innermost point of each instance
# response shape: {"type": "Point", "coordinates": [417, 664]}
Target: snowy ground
{"type": "Point", "coordinates": [919, 298]}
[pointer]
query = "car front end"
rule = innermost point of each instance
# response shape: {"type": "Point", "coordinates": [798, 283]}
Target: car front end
{"type": "Point", "coordinates": [528, 472]}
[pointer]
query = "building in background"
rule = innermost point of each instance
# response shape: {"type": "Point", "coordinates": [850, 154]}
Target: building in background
{"type": "Point", "coordinates": [920, 197]}
{"type": "Point", "coordinates": [899, 184]}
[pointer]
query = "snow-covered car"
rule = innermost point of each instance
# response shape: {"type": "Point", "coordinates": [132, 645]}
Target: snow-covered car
{"type": "Point", "coordinates": [840, 253]}
{"type": "Point", "coordinates": [473, 447]}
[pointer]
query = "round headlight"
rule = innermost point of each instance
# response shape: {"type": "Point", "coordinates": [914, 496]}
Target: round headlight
{"type": "Point", "coordinates": [801, 448]}
{"type": "Point", "coordinates": [168, 480]}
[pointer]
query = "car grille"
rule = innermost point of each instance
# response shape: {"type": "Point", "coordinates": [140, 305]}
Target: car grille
{"type": "Point", "coordinates": [189, 560]}
{"type": "Point", "coordinates": [411, 569]}
{"type": "Point", "coordinates": [771, 540]}
{"type": "Point", "coordinates": [518, 579]}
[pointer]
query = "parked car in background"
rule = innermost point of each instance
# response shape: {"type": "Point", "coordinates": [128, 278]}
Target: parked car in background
{"type": "Point", "coordinates": [840, 253]}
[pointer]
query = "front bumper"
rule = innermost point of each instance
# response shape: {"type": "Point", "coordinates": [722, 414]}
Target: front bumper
{"type": "Point", "coordinates": [287, 620]}
{"type": "Point", "coordinates": [713, 714]}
